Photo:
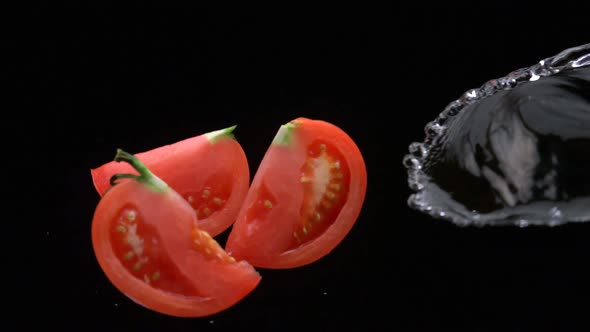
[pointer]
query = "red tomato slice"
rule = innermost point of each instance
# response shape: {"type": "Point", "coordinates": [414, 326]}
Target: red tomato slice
{"type": "Point", "coordinates": [210, 171]}
{"type": "Point", "coordinates": [147, 241]}
{"type": "Point", "coordinates": [305, 197]}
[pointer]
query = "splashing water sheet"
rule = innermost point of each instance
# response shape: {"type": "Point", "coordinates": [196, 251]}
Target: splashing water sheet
{"type": "Point", "coordinates": [515, 151]}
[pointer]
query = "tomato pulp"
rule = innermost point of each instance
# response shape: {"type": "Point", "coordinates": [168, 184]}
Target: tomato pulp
{"type": "Point", "coordinates": [147, 241]}
{"type": "Point", "coordinates": [210, 171]}
{"type": "Point", "coordinates": [304, 199]}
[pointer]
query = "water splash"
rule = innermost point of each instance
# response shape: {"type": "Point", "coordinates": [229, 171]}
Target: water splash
{"type": "Point", "coordinates": [515, 151]}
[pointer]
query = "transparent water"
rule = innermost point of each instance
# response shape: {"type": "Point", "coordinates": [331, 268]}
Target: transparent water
{"type": "Point", "coordinates": [515, 151]}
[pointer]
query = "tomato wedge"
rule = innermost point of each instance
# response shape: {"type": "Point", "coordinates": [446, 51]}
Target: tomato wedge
{"type": "Point", "coordinates": [210, 171]}
{"type": "Point", "coordinates": [304, 199]}
{"type": "Point", "coordinates": [147, 241]}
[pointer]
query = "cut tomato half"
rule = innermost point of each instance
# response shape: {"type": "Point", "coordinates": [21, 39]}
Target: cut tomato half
{"type": "Point", "coordinates": [210, 171]}
{"type": "Point", "coordinates": [146, 240]}
{"type": "Point", "coordinates": [304, 199]}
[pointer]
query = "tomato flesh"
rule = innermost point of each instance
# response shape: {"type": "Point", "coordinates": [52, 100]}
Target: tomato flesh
{"type": "Point", "coordinates": [210, 171]}
{"type": "Point", "coordinates": [305, 197]}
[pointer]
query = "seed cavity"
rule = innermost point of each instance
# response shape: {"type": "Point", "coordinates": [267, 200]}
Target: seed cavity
{"type": "Point", "coordinates": [205, 244]}
{"type": "Point", "coordinates": [325, 172]}
{"type": "Point", "coordinates": [208, 200]}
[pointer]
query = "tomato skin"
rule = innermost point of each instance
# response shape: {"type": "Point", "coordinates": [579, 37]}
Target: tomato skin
{"type": "Point", "coordinates": [264, 237]}
{"type": "Point", "coordinates": [217, 285]}
{"type": "Point", "coordinates": [193, 167]}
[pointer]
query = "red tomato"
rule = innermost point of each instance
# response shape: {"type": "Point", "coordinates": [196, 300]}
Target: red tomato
{"type": "Point", "coordinates": [147, 241]}
{"type": "Point", "coordinates": [210, 171]}
{"type": "Point", "coordinates": [305, 197]}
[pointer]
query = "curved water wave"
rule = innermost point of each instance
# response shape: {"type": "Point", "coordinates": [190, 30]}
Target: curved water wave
{"type": "Point", "coordinates": [515, 151]}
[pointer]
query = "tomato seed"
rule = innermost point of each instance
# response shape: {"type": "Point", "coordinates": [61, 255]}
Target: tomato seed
{"type": "Point", "coordinates": [206, 193]}
{"type": "Point", "coordinates": [305, 179]}
{"type": "Point", "coordinates": [217, 200]}
{"type": "Point", "coordinates": [268, 203]}
{"type": "Point", "coordinates": [317, 216]}
{"type": "Point", "coordinates": [128, 255]}
{"type": "Point", "coordinates": [131, 215]}
{"type": "Point", "coordinates": [121, 229]}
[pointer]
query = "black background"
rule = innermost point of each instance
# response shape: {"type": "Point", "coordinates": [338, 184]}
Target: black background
{"type": "Point", "coordinates": [96, 79]}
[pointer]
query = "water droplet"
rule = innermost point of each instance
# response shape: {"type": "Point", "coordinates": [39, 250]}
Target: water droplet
{"type": "Point", "coordinates": [412, 162]}
{"type": "Point", "coordinates": [515, 151]}
{"type": "Point", "coordinates": [418, 150]}
{"type": "Point", "coordinates": [434, 129]}
{"type": "Point", "coordinates": [211, 321]}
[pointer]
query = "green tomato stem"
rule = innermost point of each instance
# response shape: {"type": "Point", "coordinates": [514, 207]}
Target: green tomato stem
{"type": "Point", "coordinates": [145, 175]}
{"type": "Point", "coordinates": [216, 135]}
